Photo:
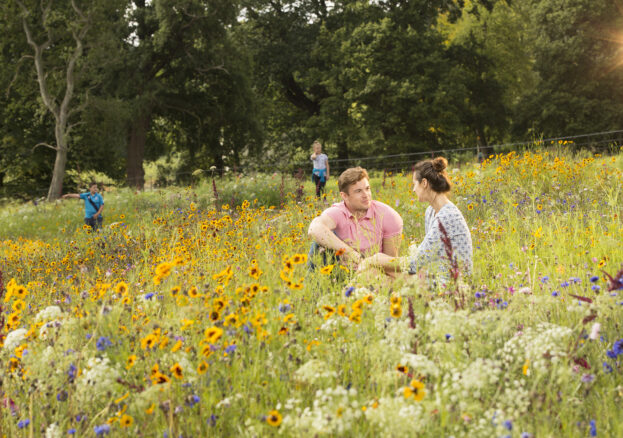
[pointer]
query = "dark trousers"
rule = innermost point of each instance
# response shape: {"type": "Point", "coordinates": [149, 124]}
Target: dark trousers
{"type": "Point", "coordinates": [94, 223]}
{"type": "Point", "coordinates": [327, 257]}
{"type": "Point", "coordinates": [320, 183]}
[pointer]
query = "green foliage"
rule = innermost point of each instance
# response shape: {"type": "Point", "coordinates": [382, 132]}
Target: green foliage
{"type": "Point", "coordinates": [252, 83]}
{"type": "Point", "coordinates": [577, 57]}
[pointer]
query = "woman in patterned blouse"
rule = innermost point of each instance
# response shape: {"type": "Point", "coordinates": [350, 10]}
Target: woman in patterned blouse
{"type": "Point", "coordinates": [443, 221]}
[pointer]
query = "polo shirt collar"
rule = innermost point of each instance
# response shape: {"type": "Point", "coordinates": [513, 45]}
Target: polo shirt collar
{"type": "Point", "coordinates": [368, 214]}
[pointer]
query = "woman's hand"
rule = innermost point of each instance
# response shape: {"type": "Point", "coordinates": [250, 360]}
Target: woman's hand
{"type": "Point", "coordinates": [367, 263]}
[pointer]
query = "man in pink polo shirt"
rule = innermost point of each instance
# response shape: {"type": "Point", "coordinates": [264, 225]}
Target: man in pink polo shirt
{"type": "Point", "coordinates": [358, 226]}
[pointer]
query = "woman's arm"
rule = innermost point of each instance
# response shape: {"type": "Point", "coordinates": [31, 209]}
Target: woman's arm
{"type": "Point", "coordinates": [383, 261]}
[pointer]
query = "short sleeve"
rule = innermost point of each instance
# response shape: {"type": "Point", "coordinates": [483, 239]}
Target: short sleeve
{"type": "Point", "coordinates": [83, 195]}
{"type": "Point", "coordinates": [392, 223]}
{"type": "Point", "coordinates": [334, 213]}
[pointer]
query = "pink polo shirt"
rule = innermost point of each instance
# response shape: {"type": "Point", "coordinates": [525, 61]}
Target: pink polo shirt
{"type": "Point", "coordinates": [367, 234]}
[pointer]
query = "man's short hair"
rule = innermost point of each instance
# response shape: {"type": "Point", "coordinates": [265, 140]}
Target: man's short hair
{"type": "Point", "coordinates": [351, 176]}
{"type": "Point", "coordinates": [92, 183]}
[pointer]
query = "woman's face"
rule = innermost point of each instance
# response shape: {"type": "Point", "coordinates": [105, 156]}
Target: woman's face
{"type": "Point", "coordinates": [419, 188]}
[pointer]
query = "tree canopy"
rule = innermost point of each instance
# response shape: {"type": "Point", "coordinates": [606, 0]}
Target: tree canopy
{"type": "Point", "coordinates": [108, 85]}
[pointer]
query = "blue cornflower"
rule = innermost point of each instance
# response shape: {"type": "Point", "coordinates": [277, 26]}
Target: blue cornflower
{"type": "Point", "coordinates": [72, 371]}
{"type": "Point", "coordinates": [508, 424]}
{"type": "Point", "coordinates": [231, 348]}
{"type": "Point", "coordinates": [575, 280]}
{"type": "Point", "coordinates": [555, 293]}
{"type": "Point", "coordinates": [618, 347]}
{"type": "Point", "coordinates": [104, 429]}
{"type": "Point", "coordinates": [71, 431]}
{"type": "Point", "coordinates": [611, 354]}
{"type": "Point", "coordinates": [23, 423]}
{"type": "Point", "coordinates": [607, 368]}
{"type": "Point", "coordinates": [61, 396]}
{"type": "Point", "coordinates": [283, 308]}
{"type": "Point", "coordinates": [480, 294]}
{"type": "Point", "coordinates": [595, 288]}
{"type": "Point", "coordinates": [149, 295]}
{"type": "Point", "coordinates": [212, 420]}
{"type": "Point", "coordinates": [88, 335]}
{"type": "Point", "coordinates": [247, 329]}
{"type": "Point", "coordinates": [588, 378]}
{"type": "Point", "coordinates": [192, 400]}
{"type": "Point", "coordinates": [448, 337]}
{"type": "Point", "coordinates": [593, 427]}
{"type": "Point", "coordinates": [594, 278]}
{"type": "Point", "coordinates": [526, 435]}
{"type": "Point", "coordinates": [564, 284]}
{"type": "Point", "coordinates": [545, 279]}
{"type": "Point", "coordinates": [103, 343]}
{"type": "Point", "coordinates": [349, 292]}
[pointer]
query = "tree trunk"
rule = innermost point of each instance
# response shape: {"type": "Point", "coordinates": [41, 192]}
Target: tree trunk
{"type": "Point", "coordinates": [136, 152]}
{"type": "Point", "coordinates": [58, 174]}
{"type": "Point", "coordinates": [483, 145]}
{"type": "Point", "coordinates": [61, 112]}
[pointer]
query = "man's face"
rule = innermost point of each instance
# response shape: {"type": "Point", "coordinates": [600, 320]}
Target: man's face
{"type": "Point", "coordinates": [359, 196]}
{"type": "Point", "coordinates": [93, 189]}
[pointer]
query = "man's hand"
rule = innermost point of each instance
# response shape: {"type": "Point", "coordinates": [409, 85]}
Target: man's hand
{"type": "Point", "coordinates": [352, 258]}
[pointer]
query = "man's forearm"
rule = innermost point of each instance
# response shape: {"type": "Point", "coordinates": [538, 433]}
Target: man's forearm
{"type": "Point", "coordinates": [327, 238]}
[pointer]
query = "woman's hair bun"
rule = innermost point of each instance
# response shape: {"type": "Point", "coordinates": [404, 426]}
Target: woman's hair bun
{"type": "Point", "coordinates": [439, 164]}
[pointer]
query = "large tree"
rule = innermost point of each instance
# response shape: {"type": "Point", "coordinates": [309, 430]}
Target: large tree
{"type": "Point", "coordinates": [175, 63]}
{"type": "Point", "coordinates": [364, 76]}
{"type": "Point", "coordinates": [578, 61]}
{"type": "Point", "coordinates": [56, 38]}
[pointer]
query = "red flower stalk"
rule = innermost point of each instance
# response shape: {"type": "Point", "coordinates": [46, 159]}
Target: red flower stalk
{"type": "Point", "coordinates": [615, 283]}
{"type": "Point", "coordinates": [411, 314]}
{"type": "Point", "coordinates": [447, 244]}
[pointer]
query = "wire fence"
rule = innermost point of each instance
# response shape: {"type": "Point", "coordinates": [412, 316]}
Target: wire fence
{"type": "Point", "coordinates": [604, 142]}
{"type": "Point", "coordinates": [597, 142]}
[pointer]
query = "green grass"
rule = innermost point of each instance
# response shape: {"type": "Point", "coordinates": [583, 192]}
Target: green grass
{"type": "Point", "coordinates": [543, 224]}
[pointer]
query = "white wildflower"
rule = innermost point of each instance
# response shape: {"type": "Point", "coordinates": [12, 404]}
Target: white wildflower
{"type": "Point", "coordinates": [14, 338]}
{"type": "Point", "coordinates": [49, 313]}
{"type": "Point", "coordinates": [53, 431]}
{"type": "Point", "coordinates": [313, 371]}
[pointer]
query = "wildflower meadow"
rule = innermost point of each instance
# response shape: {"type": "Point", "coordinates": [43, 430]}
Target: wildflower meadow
{"type": "Point", "coordinates": [192, 312]}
